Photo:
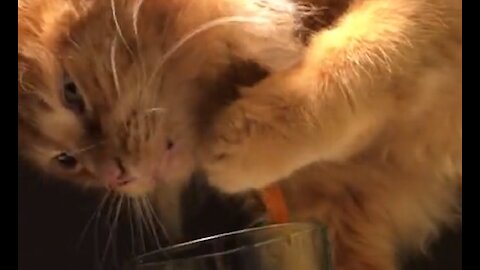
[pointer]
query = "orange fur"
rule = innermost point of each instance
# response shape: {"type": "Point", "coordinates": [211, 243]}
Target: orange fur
{"type": "Point", "coordinates": [362, 127]}
{"type": "Point", "coordinates": [141, 82]}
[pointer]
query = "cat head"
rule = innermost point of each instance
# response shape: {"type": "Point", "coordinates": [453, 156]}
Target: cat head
{"type": "Point", "coordinates": [97, 103]}
{"type": "Point", "coordinates": [109, 91]}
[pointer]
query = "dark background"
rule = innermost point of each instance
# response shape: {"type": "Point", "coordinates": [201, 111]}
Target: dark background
{"type": "Point", "coordinates": [52, 215]}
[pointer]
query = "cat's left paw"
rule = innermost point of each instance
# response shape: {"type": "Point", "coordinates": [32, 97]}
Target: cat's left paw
{"type": "Point", "coordinates": [230, 149]}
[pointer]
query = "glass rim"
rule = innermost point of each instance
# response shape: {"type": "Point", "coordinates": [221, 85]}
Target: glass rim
{"type": "Point", "coordinates": [305, 227]}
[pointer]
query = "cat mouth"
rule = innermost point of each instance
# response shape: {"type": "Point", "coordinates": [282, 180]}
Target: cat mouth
{"type": "Point", "coordinates": [141, 180]}
{"type": "Point", "coordinates": [141, 185]}
{"type": "Point", "coordinates": [137, 187]}
{"type": "Point", "coordinates": [122, 183]}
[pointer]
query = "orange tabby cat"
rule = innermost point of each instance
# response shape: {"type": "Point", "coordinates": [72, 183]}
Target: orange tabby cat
{"type": "Point", "coordinates": [360, 121]}
{"type": "Point", "coordinates": [115, 93]}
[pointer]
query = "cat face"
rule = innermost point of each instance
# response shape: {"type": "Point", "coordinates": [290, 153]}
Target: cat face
{"type": "Point", "coordinates": [98, 104]}
{"type": "Point", "coordinates": [116, 93]}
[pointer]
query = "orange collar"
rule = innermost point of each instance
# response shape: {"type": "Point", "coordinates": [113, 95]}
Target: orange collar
{"type": "Point", "coordinates": [275, 204]}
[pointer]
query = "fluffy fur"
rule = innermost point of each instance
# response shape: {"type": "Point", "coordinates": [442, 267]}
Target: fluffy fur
{"type": "Point", "coordinates": [366, 130]}
{"type": "Point", "coordinates": [362, 126]}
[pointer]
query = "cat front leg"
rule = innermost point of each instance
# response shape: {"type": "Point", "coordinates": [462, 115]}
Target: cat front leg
{"type": "Point", "coordinates": [254, 138]}
{"type": "Point", "coordinates": [281, 125]}
{"type": "Point", "coordinates": [332, 103]}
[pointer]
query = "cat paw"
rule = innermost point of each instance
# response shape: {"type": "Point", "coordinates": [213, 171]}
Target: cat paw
{"type": "Point", "coordinates": [229, 150]}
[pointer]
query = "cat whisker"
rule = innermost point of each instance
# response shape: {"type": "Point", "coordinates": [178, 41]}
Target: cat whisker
{"type": "Point", "coordinates": [124, 40]}
{"type": "Point", "coordinates": [162, 227]}
{"type": "Point", "coordinates": [117, 26]}
{"type": "Point", "coordinates": [149, 216]}
{"type": "Point", "coordinates": [113, 50]}
{"type": "Point", "coordinates": [203, 28]}
{"type": "Point", "coordinates": [113, 227]}
{"type": "Point", "coordinates": [143, 216]}
{"type": "Point", "coordinates": [109, 225]}
{"type": "Point", "coordinates": [146, 81]}
{"type": "Point", "coordinates": [84, 149]}
{"type": "Point", "coordinates": [136, 11]}
{"type": "Point", "coordinates": [96, 232]}
{"type": "Point", "coordinates": [139, 225]}
{"type": "Point", "coordinates": [95, 214]}
{"type": "Point", "coordinates": [130, 218]}
{"type": "Point", "coordinates": [110, 210]}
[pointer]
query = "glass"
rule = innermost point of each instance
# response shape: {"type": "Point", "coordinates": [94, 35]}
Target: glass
{"type": "Point", "coordinates": [290, 246]}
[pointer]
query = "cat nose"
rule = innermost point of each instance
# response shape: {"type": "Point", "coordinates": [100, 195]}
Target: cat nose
{"type": "Point", "coordinates": [114, 174]}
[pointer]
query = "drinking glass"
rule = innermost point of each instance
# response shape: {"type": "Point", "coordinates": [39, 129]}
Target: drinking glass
{"type": "Point", "coordinates": [289, 246]}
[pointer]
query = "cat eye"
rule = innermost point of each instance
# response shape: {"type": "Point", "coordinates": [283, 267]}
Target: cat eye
{"type": "Point", "coordinates": [72, 97]}
{"type": "Point", "coordinates": [66, 161]}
